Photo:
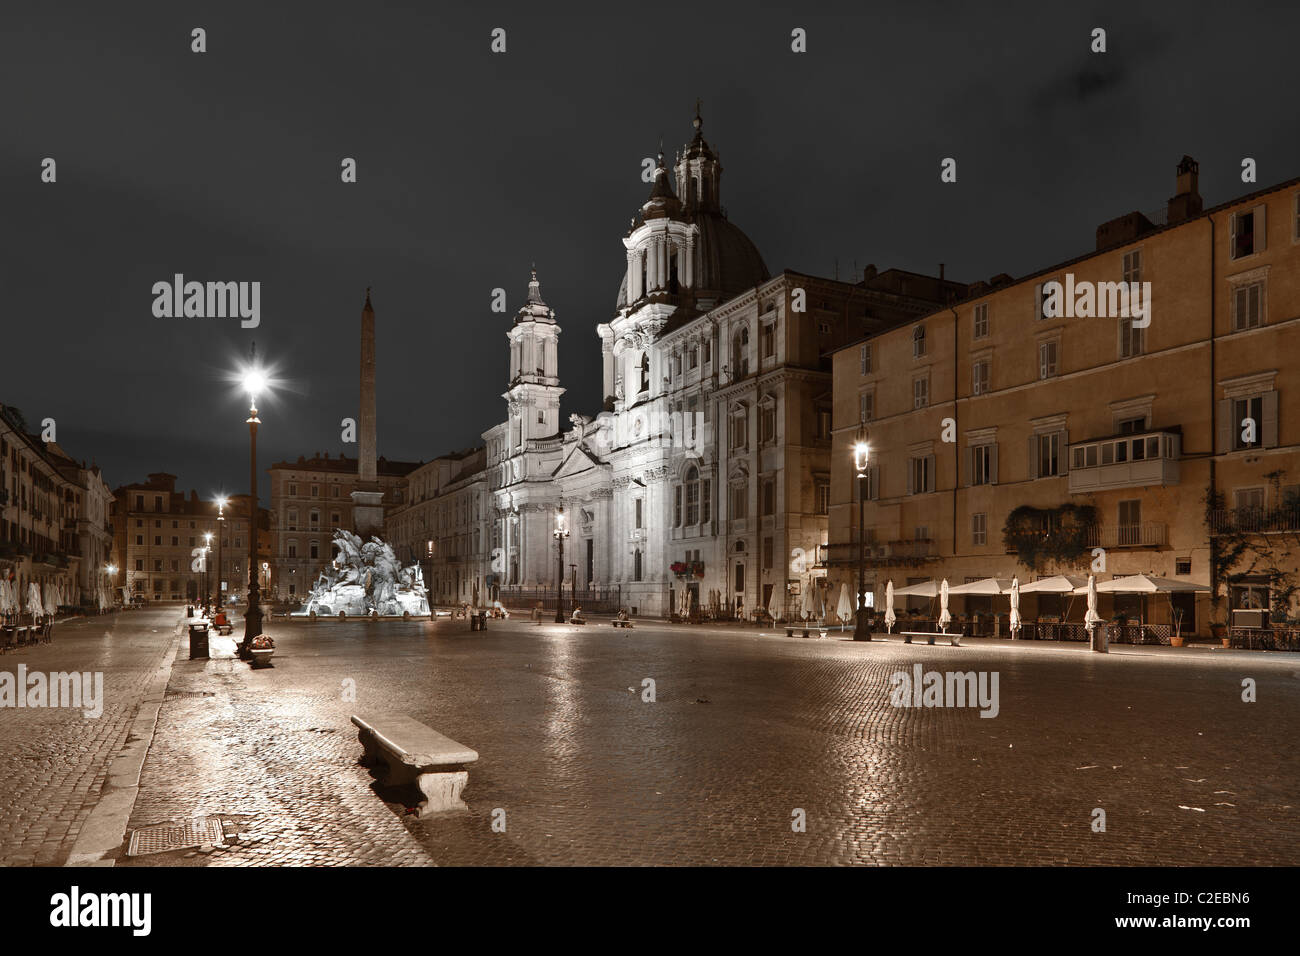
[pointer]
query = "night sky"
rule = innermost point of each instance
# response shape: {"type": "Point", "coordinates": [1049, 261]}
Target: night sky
{"type": "Point", "coordinates": [472, 165]}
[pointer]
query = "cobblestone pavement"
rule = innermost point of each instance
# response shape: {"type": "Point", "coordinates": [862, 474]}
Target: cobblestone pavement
{"type": "Point", "coordinates": [745, 730]}
{"type": "Point", "coordinates": [53, 761]}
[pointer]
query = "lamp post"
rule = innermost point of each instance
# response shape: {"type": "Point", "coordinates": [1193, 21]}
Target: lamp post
{"type": "Point", "coordinates": [207, 579]}
{"type": "Point", "coordinates": [254, 382]}
{"type": "Point", "coordinates": [221, 516]}
{"type": "Point", "coordinates": [111, 571]}
{"type": "Point", "coordinates": [561, 532]}
{"type": "Point", "coordinates": [861, 460]}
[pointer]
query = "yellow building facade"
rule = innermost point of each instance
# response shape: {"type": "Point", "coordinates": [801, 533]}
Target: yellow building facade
{"type": "Point", "coordinates": [1115, 429]}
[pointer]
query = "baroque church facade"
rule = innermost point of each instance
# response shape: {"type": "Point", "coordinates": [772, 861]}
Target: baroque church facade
{"type": "Point", "coordinates": [707, 468]}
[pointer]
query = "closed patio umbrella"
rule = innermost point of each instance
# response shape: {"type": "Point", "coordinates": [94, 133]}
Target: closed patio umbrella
{"type": "Point", "coordinates": [776, 604]}
{"type": "Point", "coordinates": [845, 609]}
{"type": "Point", "coordinates": [808, 608]}
{"type": "Point", "coordinates": [944, 617]}
{"type": "Point", "coordinates": [1091, 618]}
{"type": "Point", "coordinates": [34, 605]}
{"type": "Point", "coordinates": [890, 617]}
{"type": "Point", "coordinates": [1015, 607]}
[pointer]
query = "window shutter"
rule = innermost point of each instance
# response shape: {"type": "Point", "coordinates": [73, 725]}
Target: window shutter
{"type": "Point", "coordinates": [911, 475]}
{"type": "Point", "coordinates": [967, 476]}
{"type": "Point", "coordinates": [1033, 456]}
{"type": "Point", "coordinates": [1063, 452]}
{"type": "Point", "coordinates": [1268, 425]}
{"type": "Point", "coordinates": [1223, 428]}
{"type": "Point", "coordinates": [1232, 239]}
{"type": "Point", "coordinates": [993, 463]}
{"type": "Point", "coordinates": [875, 482]}
{"type": "Point", "coordinates": [931, 479]}
{"type": "Point", "coordinates": [1260, 232]}
{"type": "Point", "coordinates": [1038, 301]}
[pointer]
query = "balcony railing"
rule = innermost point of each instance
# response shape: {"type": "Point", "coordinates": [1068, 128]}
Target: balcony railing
{"type": "Point", "coordinates": [881, 553]}
{"type": "Point", "coordinates": [1148, 534]}
{"type": "Point", "coordinates": [1257, 520]}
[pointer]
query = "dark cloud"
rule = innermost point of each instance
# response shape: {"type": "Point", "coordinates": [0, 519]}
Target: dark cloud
{"type": "Point", "coordinates": [225, 166]}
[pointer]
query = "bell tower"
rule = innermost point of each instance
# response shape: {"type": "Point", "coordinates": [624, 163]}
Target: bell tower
{"type": "Point", "coordinates": [534, 393]}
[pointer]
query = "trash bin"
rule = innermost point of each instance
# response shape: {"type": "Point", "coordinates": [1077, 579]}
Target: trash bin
{"type": "Point", "coordinates": [473, 622]}
{"type": "Point", "coordinates": [198, 641]}
{"type": "Point", "coordinates": [482, 620]}
{"type": "Point", "coordinates": [189, 610]}
{"type": "Point", "coordinates": [1101, 638]}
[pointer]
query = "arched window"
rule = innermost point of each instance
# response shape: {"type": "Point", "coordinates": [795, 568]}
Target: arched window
{"type": "Point", "coordinates": [692, 484]}
{"type": "Point", "coordinates": [673, 285]}
{"type": "Point", "coordinates": [636, 565]}
{"type": "Point", "coordinates": [645, 372]}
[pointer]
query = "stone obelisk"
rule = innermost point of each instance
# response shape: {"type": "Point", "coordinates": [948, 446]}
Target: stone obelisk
{"type": "Point", "coordinates": [367, 499]}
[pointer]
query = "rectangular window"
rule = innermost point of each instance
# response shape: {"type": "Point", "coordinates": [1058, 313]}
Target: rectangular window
{"type": "Point", "coordinates": [767, 338]}
{"type": "Point", "coordinates": [1248, 232]}
{"type": "Point", "coordinates": [739, 431]}
{"type": "Point", "coordinates": [768, 553]}
{"type": "Point", "coordinates": [636, 510]}
{"type": "Point", "coordinates": [739, 501]}
{"type": "Point", "coordinates": [1130, 522]}
{"type": "Point", "coordinates": [767, 423]}
{"type": "Point", "coordinates": [920, 392]}
{"type": "Point", "coordinates": [292, 491]}
{"type": "Point", "coordinates": [1247, 416]}
{"type": "Point", "coordinates": [157, 541]}
{"type": "Point", "coordinates": [1131, 340]}
{"type": "Point", "coordinates": [979, 523]}
{"type": "Point", "coordinates": [768, 497]}
{"type": "Point", "coordinates": [922, 474]}
{"type": "Point", "coordinates": [705, 492]}
{"type": "Point", "coordinates": [315, 491]}
{"type": "Point", "coordinates": [1248, 498]}
{"type": "Point", "coordinates": [692, 503]}
{"type": "Point", "coordinates": [823, 498]}
{"type": "Point", "coordinates": [315, 549]}
{"type": "Point", "coordinates": [918, 341]}
{"type": "Point", "coordinates": [1040, 302]}
{"type": "Point", "coordinates": [1248, 306]}
{"type": "Point", "coordinates": [981, 324]}
{"type": "Point", "coordinates": [1132, 268]}
{"type": "Point", "coordinates": [864, 360]}
{"type": "Point", "coordinates": [981, 464]}
{"type": "Point", "coordinates": [980, 377]}
{"type": "Point", "coordinates": [865, 402]}
{"type": "Point", "coordinates": [1049, 449]}
{"type": "Point", "coordinates": [823, 423]}
{"type": "Point", "coordinates": [1046, 359]}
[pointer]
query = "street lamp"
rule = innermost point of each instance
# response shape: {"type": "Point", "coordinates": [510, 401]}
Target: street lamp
{"type": "Point", "coordinates": [111, 571]}
{"type": "Point", "coordinates": [254, 381]}
{"type": "Point", "coordinates": [561, 532]}
{"type": "Point", "coordinates": [221, 516]}
{"type": "Point", "coordinates": [207, 580]}
{"type": "Point", "coordinates": [861, 460]}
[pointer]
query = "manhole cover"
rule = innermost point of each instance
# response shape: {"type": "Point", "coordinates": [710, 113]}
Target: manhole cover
{"type": "Point", "coordinates": [174, 694]}
{"type": "Point", "coordinates": [159, 839]}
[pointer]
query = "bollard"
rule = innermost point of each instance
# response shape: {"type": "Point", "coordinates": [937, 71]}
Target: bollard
{"type": "Point", "coordinates": [1100, 639]}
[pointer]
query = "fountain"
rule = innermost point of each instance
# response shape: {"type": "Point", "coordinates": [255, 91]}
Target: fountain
{"type": "Point", "coordinates": [365, 579]}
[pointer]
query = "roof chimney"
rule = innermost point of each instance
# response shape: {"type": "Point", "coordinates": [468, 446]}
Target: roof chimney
{"type": "Point", "coordinates": [1186, 203]}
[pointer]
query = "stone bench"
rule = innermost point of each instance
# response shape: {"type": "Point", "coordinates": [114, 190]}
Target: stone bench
{"type": "Point", "coordinates": [954, 638]}
{"type": "Point", "coordinates": [414, 753]}
{"type": "Point", "coordinates": [617, 623]}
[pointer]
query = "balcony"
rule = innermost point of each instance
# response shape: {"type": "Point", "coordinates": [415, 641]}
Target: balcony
{"type": "Point", "coordinates": [1254, 520]}
{"type": "Point", "coordinates": [910, 552]}
{"type": "Point", "coordinates": [1148, 534]}
{"type": "Point", "coordinates": [1126, 461]}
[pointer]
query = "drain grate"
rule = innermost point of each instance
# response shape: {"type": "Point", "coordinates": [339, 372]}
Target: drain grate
{"type": "Point", "coordinates": [201, 831]}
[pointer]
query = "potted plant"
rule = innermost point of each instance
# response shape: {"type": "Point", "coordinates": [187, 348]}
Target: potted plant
{"type": "Point", "coordinates": [262, 648]}
{"type": "Point", "coordinates": [1219, 630]}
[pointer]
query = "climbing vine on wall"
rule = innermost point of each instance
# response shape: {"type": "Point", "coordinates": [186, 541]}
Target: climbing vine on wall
{"type": "Point", "coordinates": [1042, 536]}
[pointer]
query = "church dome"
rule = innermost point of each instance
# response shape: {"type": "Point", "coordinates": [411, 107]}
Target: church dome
{"type": "Point", "coordinates": [726, 261]}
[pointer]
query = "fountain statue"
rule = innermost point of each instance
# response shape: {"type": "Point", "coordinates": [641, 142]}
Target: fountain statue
{"type": "Point", "coordinates": [366, 578]}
